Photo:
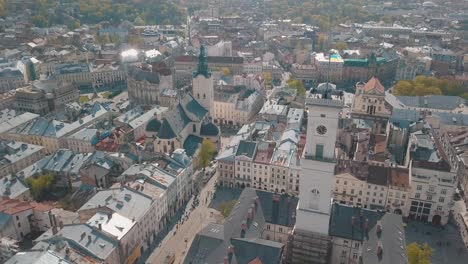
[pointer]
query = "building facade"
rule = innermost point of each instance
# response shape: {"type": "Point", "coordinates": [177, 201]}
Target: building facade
{"type": "Point", "coordinates": [42, 97]}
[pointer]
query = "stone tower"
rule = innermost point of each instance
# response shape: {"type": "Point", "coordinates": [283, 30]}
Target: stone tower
{"type": "Point", "coordinates": [310, 241]}
{"type": "Point", "coordinates": [203, 86]}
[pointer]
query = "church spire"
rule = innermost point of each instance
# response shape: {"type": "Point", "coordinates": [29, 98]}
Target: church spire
{"type": "Point", "coordinates": [202, 64]}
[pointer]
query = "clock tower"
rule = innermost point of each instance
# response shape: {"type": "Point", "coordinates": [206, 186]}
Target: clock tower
{"type": "Point", "coordinates": [202, 84]}
{"type": "Point", "coordinates": [317, 177]}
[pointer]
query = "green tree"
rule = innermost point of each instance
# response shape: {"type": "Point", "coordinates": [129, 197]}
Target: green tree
{"type": "Point", "coordinates": [403, 88]}
{"type": "Point", "coordinates": [39, 21]}
{"type": "Point", "coordinates": [135, 41]}
{"type": "Point", "coordinates": [2, 8]}
{"type": "Point", "coordinates": [267, 77]}
{"type": "Point", "coordinates": [104, 39]}
{"type": "Point", "coordinates": [226, 71]}
{"type": "Point", "coordinates": [76, 24]}
{"type": "Point", "coordinates": [419, 254]}
{"type": "Point", "coordinates": [226, 207]}
{"type": "Point", "coordinates": [40, 185]}
{"type": "Point", "coordinates": [424, 85]}
{"type": "Point", "coordinates": [205, 155]}
{"type": "Point", "coordinates": [340, 45]}
{"type": "Point", "coordinates": [297, 85]}
{"type": "Point", "coordinates": [322, 40]}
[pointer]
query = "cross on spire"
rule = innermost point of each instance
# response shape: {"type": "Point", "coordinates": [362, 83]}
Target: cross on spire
{"type": "Point", "coordinates": [202, 64]}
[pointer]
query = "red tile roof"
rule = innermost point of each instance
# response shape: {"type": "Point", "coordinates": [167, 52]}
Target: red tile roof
{"type": "Point", "coordinates": [14, 206]}
{"type": "Point", "coordinates": [374, 84]}
{"type": "Point", "coordinates": [44, 207]}
{"type": "Point", "coordinates": [256, 261]}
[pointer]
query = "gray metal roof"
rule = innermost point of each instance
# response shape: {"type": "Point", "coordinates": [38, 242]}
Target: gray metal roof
{"type": "Point", "coordinates": [392, 239]}
{"type": "Point", "coordinates": [14, 151]}
{"type": "Point", "coordinates": [37, 257]}
{"type": "Point", "coordinates": [124, 201]}
{"type": "Point", "coordinates": [56, 129]}
{"type": "Point", "coordinates": [86, 239]}
{"type": "Point", "coordinates": [11, 119]}
{"type": "Point", "coordinates": [212, 243]}
{"type": "Point", "coordinates": [85, 134]}
{"type": "Point", "coordinates": [442, 102]}
{"type": "Point", "coordinates": [12, 187]}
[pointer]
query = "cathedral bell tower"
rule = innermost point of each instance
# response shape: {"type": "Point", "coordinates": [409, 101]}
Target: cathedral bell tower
{"type": "Point", "coordinates": [202, 84]}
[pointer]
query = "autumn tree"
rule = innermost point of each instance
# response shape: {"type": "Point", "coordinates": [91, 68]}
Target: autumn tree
{"type": "Point", "coordinates": [205, 155]}
{"type": "Point", "coordinates": [40, 185]}
{"type": "Point", "coordinates": [340, 46]}
{"type": "Point", "coordinates": [419, 254]}
{"type": "Point", "coordinates": [424, 85]}
{"type": "Point", "coordinates": [226, 207]}
{"type": "Point", "coordinates": [322, 41]}
{"type": "Point", "coordinates": [2, 8]}
{"type": "Point", "coordinates": [297, 85]}
{"type": "Point", "coordinates": [226, 71]}
{"type": "Point", "coordinates": [267, 77]}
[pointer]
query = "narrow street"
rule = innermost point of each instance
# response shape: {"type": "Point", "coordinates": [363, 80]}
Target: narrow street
{"type": "Point", "coordinates": [179, 239]}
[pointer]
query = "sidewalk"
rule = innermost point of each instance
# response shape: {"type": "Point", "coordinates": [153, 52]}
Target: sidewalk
{"type": "Point", "coordinates": [177, 239]}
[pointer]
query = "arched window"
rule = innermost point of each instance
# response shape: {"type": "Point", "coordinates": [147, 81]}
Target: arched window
{"type": "Point", "coordinates": [198, 95]}
{"type": "Point", "coordinates": [204, 96]}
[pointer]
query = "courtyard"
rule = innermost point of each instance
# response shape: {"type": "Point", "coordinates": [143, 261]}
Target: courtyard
{"type": "Point", "coordinates": [446, 241]}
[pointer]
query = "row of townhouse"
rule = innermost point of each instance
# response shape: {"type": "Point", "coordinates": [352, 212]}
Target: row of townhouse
{"type": "Point", "coordinates": [423, 189]}
{"type": "Point", "coordinates": [83, 73]}
{"type": "Point", "coordinates": [117, 225]}
{"type": "Point", "coordinates": [53, 134]}
{"type": "Point", "coordinates": [254, 159]}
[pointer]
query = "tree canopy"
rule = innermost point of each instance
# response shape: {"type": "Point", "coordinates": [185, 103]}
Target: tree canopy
{"type": "Point", "coordinates": [226, 207]}
{"type": "Point", "coordinates": [419, 253]}
{"type": "Point", "coordinates": [423, 85]}
{"type": "Point", "coordinates": [267, 77]}
{"type": "Point", "coordinates": [297, 85]}
{"type": "Point", "coordinates": [226, 71]}
{"type": "Point", "coordinates": [322, 13]}
{"type": "Point", "coordinates": [40, 185]}
{"type": "Point", "coordinates": [112, 11]}
{"type": "Point", "coordinates": [205, 155]}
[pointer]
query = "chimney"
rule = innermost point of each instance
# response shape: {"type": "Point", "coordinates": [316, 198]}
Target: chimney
{"type": "Point", "coordinates": [89, 239]}
{"type": "Point", "coordinates": [379, 228]}
{"type": "Point", "coordinates": [249, 214]}
{"type": "Point", "coordinates": [100, 226]}
{"type": "Point", "coordinates": [83, 235]}
{"type": "Point", "coordinates": [244, 225]}
{"type": "Point", "coordinates": [51, 219]}
{"type": "Point", "coordinates": [55, 220]}
{"type": "Point", "coordinates": [379, 248]}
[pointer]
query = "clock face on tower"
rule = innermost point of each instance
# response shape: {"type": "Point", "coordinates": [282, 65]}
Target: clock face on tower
{"type": "Point", "coordinates": [321, 130]}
